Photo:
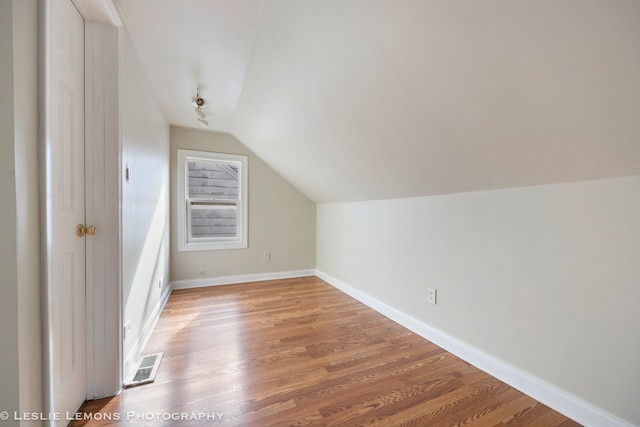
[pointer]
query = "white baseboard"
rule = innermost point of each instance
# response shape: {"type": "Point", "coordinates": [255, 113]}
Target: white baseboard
{"type": "Point", "coordinates": [228, 280]}
{"type": "Point", "coordinates": [548, 394]}
{"type": "Point", "coordinates": [145, 334]}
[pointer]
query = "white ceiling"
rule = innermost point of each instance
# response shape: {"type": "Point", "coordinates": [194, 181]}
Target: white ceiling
{"type": "Point", "coordinates": [184, 44]}
{"type": "Point", "coordinates": [374, 99]}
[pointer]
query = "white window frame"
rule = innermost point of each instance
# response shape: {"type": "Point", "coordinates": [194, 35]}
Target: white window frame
{"type": "Point", "coordinates": [185, 243]}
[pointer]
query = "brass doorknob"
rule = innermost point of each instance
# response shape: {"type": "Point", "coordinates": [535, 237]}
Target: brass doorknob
{"type": "Point", "coordinates": [81, 230]}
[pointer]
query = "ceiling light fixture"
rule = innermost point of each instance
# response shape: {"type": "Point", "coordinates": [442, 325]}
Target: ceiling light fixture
{"type": "Point", "coordinates": [200, 103]}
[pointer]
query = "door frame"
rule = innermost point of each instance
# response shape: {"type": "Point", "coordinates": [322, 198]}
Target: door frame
{"type": "Point", "coordinates": [103, 154]}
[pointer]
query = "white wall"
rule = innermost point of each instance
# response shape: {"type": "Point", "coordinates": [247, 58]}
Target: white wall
{"type": "Point", "coordinates": [281, 219]}
{"type": "Point", "coordinates": [9, 355]}
{"type": "Point", "coordinates": [20, 322]}
{"type": "Point", "coordinates": [25, 13]}
{"type": "Point", "coordinates": [544, 278]}
{"type": "Point", "coordinates": [145, 198]}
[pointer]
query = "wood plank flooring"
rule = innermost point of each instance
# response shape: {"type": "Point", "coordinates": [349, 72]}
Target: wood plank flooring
{"type": "Point", "coordinates": [299, 352]}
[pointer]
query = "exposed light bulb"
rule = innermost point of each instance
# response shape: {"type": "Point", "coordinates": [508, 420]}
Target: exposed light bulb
{"type": "Point", "coordinates": [200, 103]}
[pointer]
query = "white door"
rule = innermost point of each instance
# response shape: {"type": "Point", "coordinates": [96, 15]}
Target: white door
{"type": "Point", "coordinates": [66, 205]}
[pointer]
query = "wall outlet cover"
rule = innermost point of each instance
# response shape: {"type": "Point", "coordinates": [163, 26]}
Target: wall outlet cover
{"type": "Point", "coordinates": [432, 295]}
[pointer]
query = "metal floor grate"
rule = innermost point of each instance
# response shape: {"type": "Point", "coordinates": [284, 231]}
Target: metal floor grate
{"type": "Point", "coordinates": [147, 368]}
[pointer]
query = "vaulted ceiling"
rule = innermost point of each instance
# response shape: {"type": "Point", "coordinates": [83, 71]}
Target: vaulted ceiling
{"type": "Point", "coordinates": [374, 99]}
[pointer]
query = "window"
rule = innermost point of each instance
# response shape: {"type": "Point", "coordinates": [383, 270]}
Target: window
{"type": "Point", "coordinates": [212, 197]}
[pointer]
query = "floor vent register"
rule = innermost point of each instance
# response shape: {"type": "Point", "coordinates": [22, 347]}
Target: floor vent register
{"type": "Point", "coordinates": [147, 369]}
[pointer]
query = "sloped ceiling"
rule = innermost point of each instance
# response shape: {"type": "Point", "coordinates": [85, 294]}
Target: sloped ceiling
{"type": "Point", "coordinates": [374, 99]}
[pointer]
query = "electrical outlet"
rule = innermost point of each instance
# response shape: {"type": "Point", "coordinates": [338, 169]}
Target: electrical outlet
{"type": "Point", "coordinates": [126, 330]}
{"type": "Point", "coordinates": [266, 256]}
{"type": "Point", "coordinates": [202, 272]}
{"type": "Point", "coordinates": [431, 295]}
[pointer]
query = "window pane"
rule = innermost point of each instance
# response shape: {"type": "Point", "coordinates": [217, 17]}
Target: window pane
{"type": "Point", "coordinates": [213, 220]}
{"type": "Point", "coordinates": [212, 193]}
{"type": "Point", "coordinates": [211, 179]}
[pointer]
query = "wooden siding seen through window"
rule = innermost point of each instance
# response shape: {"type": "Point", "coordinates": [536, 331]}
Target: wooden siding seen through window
{"type": "Point", "coordinates": [213, 195]}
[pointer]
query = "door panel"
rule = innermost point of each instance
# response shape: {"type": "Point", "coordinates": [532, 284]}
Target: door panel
{"type": "Point", "coordinates": [67, 207]}
{"type": "Point", "coordinates": [66, 146]}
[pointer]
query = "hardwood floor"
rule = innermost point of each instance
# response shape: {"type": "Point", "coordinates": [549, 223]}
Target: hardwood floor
{"type": "Point", "coordinates": [298, 352]}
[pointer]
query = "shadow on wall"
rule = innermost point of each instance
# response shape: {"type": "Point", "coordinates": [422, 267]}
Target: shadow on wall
{"type": "Point", "coordinates": [144, 291]}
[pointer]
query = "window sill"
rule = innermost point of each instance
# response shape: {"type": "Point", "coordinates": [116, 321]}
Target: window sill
{"type": "Point", "coordinates": [209, 246]}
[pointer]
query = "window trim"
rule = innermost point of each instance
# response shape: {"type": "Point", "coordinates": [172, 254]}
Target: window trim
{"type": "Point", "coordinates": [183, 204]}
